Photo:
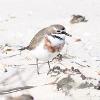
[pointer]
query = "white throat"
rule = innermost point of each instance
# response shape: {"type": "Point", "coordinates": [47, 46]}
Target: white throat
{"type": "Point", "coordinates": [56, 41]}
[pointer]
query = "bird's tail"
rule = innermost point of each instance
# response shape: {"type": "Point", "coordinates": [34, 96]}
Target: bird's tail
{"type": "Point", "coordinates": [23, 48]}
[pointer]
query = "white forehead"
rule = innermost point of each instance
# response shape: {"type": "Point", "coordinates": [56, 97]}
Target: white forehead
{"type": "Point", "coordinates": [54, 28]}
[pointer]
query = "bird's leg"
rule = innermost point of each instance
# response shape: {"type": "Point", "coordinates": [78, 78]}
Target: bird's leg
{"type": "Point", "coordinates": [37, 66]}
{"type": "Point", "coordinates": [5, 70]}
{"type": "Point", "coordinates": [49, 65]}
{"type": "Point", "coordinates": [49, 68]}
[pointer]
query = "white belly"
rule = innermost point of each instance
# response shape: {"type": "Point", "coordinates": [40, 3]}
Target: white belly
{"type": "Point", "coordinates": [43, 54]}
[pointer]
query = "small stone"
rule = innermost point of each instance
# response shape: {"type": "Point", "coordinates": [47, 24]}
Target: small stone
{"type": "Point", "coordinates": [22, 97]}
{"type": "Point", "coordinates": [72, 68]}
{"type": "Point", "coordinates": [77, 71]}
{"type": "Point", "coordinates": [77, 19]}
{"type": "Point", "coordinates": [65, 83]}
{"type": "Point", "coordinates": [98, 86]}
{"type": "Point", "coordinates": [85, 85]}
{"type": "Point", "coordinates": [83, 77]}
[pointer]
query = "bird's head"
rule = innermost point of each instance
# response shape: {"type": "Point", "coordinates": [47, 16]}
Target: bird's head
{"type": "Point", "coordinates": [57, 31]}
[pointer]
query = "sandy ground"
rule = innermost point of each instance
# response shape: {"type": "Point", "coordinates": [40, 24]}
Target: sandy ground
{"type": "Point", "coordinates": [20, 20]}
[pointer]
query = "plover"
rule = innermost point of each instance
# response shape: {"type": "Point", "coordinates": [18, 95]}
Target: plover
{"type": "Point", "coordinates": [47, 43]}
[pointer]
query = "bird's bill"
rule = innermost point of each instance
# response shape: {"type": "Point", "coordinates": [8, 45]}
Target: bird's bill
{"type": "Point", "coordinates": [67, 34]}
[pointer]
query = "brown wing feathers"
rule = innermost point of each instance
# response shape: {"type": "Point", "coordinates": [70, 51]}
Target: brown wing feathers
{"type": "Point", "coordinates": [36, 40]}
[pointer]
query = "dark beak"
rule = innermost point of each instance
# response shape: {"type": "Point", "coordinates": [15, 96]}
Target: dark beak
{"type": "Point", "coordinates": [67, 34]}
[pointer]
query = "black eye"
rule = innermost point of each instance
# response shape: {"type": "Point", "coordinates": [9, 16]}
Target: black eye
{"type": "Point", "coordinates": [63, 28]}
{"type": "Point", "coordinates": [58, 31]}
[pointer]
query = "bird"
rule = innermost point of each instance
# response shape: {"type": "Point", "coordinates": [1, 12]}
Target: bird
{"type": "Point", "coordinates": [47, 43]}
{"type": "Point", "coordinates": [21, 97]}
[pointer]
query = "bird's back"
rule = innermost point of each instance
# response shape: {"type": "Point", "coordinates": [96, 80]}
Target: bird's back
{"type": "Point", "coordinates": [36, 39]}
